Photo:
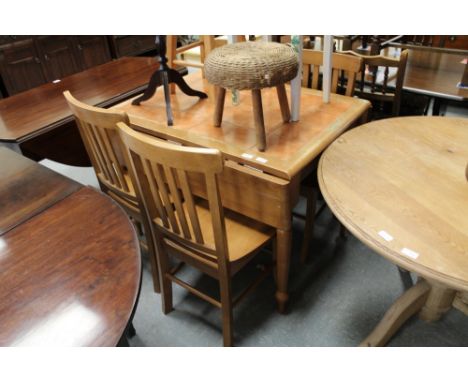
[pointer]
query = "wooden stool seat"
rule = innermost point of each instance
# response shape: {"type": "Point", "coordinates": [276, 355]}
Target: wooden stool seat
{"type": "Point", "coordinates": [252, 66]}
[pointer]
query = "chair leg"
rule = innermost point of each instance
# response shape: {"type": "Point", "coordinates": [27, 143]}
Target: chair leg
{"type": "Point", "coordinates": [226, 310]}
{"type": "Point", "coordinates": [258, 119]}
{"type": "Point", "coordinates": [153, 257]}
{"type": "Point", "coordinates": [309, 223]}
{"type": "Point", "coordinates": [219, 107]}
{"type": "Point", "coordinates": [166, 283]}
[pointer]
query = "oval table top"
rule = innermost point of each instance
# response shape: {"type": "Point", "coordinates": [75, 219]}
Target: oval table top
{"type": "Point", "coordinates": [399, 186]}
{"type": "Point", "coordinates": [70, 275]}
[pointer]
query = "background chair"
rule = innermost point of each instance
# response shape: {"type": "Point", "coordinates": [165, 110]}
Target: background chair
{"type": "Point", "coordinates": [345, 69]}
{"type": "Point", "coordinates": [378, 85]}
{"type": "Point", "coordinates": [110, 161]}
{"type": "Point", "coordinates": [206, 43]}
{"type": "Point", "coordinates": [196, 231]}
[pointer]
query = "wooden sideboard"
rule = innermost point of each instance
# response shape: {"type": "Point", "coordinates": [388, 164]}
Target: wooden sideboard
{"type": "Point", "coordinates": [30, 61]}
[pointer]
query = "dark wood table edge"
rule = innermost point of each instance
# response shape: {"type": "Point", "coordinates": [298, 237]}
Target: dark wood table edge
{"type": "Point", "coordinates": [129, 330]}
{"type": "Point", "coordinates": [105, 104]}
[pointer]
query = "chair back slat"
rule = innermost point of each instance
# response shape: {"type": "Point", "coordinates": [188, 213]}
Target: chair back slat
{"type": "Point", "coordinates": [98, 130]}
{"type": "Point", "coordinates": [155, 173]}
{"type": "Point", "coordinates": [95, 149]}
{"type": "Point", "coordinates": [315, 76]}
{"type": "Point", "coordinates": [351, 84]}
{"type": "Point", "coordinates": [156, 206]}
{"type": "Point", "coordinates": [344, 69]}
{"type": "Point", "coordinates": [380, 89]}
{"type": "Point", "coordinates": [385, 80]}
{"type": "Point", "coordinates": [161, 170]}
{"type": "Point", "coordinates": [305, 75]}
{"type": "Point", "coordinates": [188, 198]}
{"type": "Point", "coordinates": [374, 71]}
{"type": "Point", "coordinates": [107, 157]}
{"type": "Point", "coordinates": [175, 193]}
{"type": "Point", "coordinates": [334, 83]}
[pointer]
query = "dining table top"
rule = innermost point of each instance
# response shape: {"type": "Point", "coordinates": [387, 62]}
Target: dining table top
{"type": "Point", "coordinates": [399, 186]}
{"type": "Point", "coordinates": [27, 188]}
{"type": "Point", "coordinates": [70, 271]}
{"type": "Point", "coordinates": [433, 72]}
{"type": "Point", "coordinates": [38, 110]}
{"type": "Point", "coordinates": [290, 146]}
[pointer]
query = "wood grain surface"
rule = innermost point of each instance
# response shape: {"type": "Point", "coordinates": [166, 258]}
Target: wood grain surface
{"type": "Point", "coordinates": [70, 275]}
{"type": "Point", "coordinates": [41, 109]}
{"type": "Point", "coordinates": [433, 73]}
{"type": "Point", "coordinates": [27, 188]}
{"type": "Point", "coordinates": [399, 186]}
{"type": "Point", "coordinates": [290, 146]}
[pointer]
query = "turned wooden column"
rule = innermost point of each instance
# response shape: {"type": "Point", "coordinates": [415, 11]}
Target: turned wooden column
{"type": "Point", "coordinates": [438, 302]}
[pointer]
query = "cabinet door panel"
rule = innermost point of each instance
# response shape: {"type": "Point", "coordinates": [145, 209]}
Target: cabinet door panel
{"type": "Point", "coordinates": [92, 51]}
{"type": "Point", "coordinates": [59, 60]}
{"type": "Point", "coordinates": [20, 66]}
{"type": "Point", "coordinates": [133, 45]}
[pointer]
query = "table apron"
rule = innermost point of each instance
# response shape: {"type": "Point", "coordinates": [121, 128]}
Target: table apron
{"type": "Point", "coordinates": [253, 196]}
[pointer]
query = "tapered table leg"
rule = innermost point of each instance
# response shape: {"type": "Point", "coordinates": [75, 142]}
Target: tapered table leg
{"type": "Point", "coordinates": [283, 252]}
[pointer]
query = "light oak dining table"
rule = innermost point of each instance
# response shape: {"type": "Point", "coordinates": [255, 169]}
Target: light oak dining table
{"type": "Point", "coordinates": [261, 185]}
{"type": "Point", "coordinates": [399, 185]}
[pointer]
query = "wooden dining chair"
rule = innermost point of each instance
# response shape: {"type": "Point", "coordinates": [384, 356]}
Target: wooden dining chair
{"type": "Point", "coordinates": [376, 82]}
{"type": "Point", "coordinates": [206, 43]}
{"type": "Point", "coordinates": [196, 231]}
{"type": "Point", "coordinates": [98, 130]}
{"type": "Point", "coordinates": [345, 69]}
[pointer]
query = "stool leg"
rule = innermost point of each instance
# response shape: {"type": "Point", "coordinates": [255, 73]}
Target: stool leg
{"type": "Point", "coordinates": [258, 119]}
{"type": "Point", "coordinates": [283, 101]}
{"type": "Point", "coordinates": [219, 108]}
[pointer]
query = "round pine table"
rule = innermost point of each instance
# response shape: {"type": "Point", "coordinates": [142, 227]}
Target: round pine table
{"type": "Point", "coordinates": [399, 186]}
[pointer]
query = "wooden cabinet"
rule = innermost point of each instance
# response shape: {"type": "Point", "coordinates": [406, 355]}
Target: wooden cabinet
{"type": "Point", "coordinates": [92, 50]}
{"type": "Point", "coordinates": [21, 66]}
{"type": "Point", "coordinates": [29, 61]}
{"type": "Point", "coordinates": [58, 56]}
{"type": "Point", "coordinates": [132, 45]}
{"type": "Point", "coordinates": [456, 42]}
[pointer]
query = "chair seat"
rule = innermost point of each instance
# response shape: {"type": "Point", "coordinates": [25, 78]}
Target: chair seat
{"type": "Point", "coordinates": [244, 235]}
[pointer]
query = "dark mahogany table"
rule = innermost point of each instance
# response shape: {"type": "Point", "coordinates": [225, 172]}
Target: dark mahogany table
{"type": "Point", "coordinates": [434, 73]}
{"type": "Point", "coordinates": [39, 124]}
{"type": "Point", "coordinates": [69, 260]}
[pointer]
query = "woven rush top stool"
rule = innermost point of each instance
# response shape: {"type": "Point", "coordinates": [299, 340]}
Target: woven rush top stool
{"type": "Point", "coordinates": [252, 66]}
